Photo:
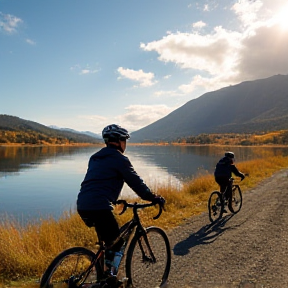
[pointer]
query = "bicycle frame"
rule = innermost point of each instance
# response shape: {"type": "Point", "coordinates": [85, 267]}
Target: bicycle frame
{"type": "Point", "coordinates": [230, 185]}
{"type": "Point", "coordinates": [126, 232]}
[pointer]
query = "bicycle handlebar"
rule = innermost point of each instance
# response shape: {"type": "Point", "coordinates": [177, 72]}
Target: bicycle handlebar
{"type": "Point", "coordinates": [137, 206]}
{"type": "Point", "coordinates": [232, 179]}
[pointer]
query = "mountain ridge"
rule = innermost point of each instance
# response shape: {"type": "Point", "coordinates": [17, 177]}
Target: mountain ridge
{"type": "Point", "coordinates": [16, 124]}
{"type": "Point", "coordinates": [247, 107]}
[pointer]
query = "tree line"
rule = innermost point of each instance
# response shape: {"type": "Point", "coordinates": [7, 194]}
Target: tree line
{"type": "Point", "coordinates": [37, 138]}
{"type": "Point", "coordinates": [271, 138]}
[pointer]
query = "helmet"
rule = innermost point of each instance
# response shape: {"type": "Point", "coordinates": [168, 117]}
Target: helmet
{"type": "Point", "coordinates": [114, 132]}
{"type": "Point", "coordinates": [229, 155]}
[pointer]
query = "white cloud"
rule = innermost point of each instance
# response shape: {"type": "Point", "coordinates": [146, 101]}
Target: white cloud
{"type": "Point", "coordinates": [210, 53]}
{"type": "Point", "coordinates": [209, 83]}
{"type": "Point", "coordinates": [265, 53]}
{"type": "Point", "coordinates": [206, 7]}
{"type": "Point", "coordinates": [199, 24]}
{"type": "Point", "coordinates": [223, 57]}
{"type": "Point", "coordinates": [31, 42]}
{"type": "Point", "coordinates": [138, 116]}
{"type": "Point", "coordinates": [9, 23]}
{"type": "Point", "coordinates": [167, 93]}
{"type": "Point", "coordinates": [247, 11]}
{"type": "Point", "coordinates": [84, 71]}
{"type": "Point", "coordinates": [144, 79]}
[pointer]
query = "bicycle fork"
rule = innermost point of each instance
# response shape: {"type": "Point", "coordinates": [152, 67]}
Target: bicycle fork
{"type": "Point", "coordinates": [146, 257]}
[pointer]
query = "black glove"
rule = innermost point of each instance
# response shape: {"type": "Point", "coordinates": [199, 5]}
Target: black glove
{"type": "Point", "coordinates": [159, 200]}
{"type": "Point", "coordinates": [242, 177]}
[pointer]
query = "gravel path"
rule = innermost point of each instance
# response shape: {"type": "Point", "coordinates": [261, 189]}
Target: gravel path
{"type": "Point", "coordinates": [246, 250]}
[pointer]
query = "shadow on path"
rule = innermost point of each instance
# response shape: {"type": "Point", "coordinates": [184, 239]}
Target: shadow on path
{"type": "Point", "coordinates": [206, 235]}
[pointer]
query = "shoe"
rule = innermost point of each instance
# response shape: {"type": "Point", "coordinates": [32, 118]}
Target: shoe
{"type": "Point", "coordinates": [224, 211]}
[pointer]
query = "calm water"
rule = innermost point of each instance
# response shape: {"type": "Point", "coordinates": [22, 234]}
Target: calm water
{"type": "Point", "coordinates": [41, 181]}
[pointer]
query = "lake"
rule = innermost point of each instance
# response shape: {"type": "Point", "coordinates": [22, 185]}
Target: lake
{"type": "Point", "coordinates": [38, 182]}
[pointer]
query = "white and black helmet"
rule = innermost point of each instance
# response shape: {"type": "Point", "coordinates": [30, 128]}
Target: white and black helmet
{"type": "Point", "coordinates": [230, 155]}
{"type": "Point", "coordinates": [114, 133]}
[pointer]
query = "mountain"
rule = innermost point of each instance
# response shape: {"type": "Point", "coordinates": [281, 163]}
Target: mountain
{"type": "Point", "coordinates": [13, 123]}
{"type": "Point", "coordinates": [89, 133]}
{"type": "Point", "coordinates": [248, 107]}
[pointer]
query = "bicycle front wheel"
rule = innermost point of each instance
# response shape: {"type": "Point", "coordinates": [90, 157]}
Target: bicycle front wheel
{"type": "Point", "coordinates": [148, 260]}
{"type": "Point", "coordinates": [70, 269]}
{"type": "Point", "coordinates": [215, 206]}
{"type": "Point", "coordinates": [235, 202]}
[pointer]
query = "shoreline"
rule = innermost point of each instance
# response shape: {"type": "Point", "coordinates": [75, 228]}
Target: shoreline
{"type": "Point", "coordinates": [143, 144]}
{"type": "Point", "coordinates": [50, 145]}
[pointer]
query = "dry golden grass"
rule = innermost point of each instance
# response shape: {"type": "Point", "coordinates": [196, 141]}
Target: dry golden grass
{"type": "Point", "coordinates": [26, 251]}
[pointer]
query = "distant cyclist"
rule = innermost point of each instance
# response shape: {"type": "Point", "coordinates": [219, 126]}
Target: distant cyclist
{"type": "Point", "coordinates": [223, 172]}
{"type": "Point", "coordinates": [108, 169]}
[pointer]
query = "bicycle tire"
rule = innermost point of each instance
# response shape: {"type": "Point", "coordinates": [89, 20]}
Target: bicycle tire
{"type": "Point", "coordinates": [215, 206]}
{"type": "Point", "coordinates": [144, 272]}
{"type": "Point", "coordinates": [235, 202]}
{"type": "Point", "coordinates": [61, 270]}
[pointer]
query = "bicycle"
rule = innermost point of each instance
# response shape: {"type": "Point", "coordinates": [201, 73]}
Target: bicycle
{"type": "Point", "coordinates": [148, 255]}
{"type": "Point", "coordinates": [217, 201]}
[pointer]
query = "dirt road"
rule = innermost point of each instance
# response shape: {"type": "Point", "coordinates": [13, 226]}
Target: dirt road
{"type": "Point", "coordinates": [247, 250]}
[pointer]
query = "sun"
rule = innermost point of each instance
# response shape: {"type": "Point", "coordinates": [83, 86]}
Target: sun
{"type": "Point", "coordinates": [282, 18]}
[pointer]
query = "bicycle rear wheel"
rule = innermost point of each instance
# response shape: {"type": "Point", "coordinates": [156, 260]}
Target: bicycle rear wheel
{"type": "Point", "coordinates": [70, 269]}
{"type": "Point", "coordinates": [145, 268]}
{"type": "Point", "coordinates": [235, 202]}
{"type": "Point", "coordinates": [215, 206]}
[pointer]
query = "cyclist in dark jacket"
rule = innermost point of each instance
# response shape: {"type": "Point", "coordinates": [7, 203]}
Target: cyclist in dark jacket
{"type": "Point", "coordinates": [107, 171]}
{"type": "Point", "coordinates": [223, 172]}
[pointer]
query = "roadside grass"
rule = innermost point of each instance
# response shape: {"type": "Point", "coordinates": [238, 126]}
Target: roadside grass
{"type": "Point", "coordinates": [25, 252]}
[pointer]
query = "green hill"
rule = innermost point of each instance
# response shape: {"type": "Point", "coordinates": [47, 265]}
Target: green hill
{"type": "Point", "coordinates": [16, 130]}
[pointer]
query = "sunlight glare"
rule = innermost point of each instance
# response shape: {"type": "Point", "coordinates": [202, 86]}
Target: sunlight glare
{"type": "Point", "coordinates": [282, 18]}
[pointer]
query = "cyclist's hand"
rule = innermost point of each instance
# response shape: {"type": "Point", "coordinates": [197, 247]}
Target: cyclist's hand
{"type": "Point", "coordinates": [159, 200]}
{"type": "Point", "coordinates": [242, 177]}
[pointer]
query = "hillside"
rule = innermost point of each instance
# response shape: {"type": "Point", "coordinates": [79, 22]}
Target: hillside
{"type": "Point", "coordinates": [17, 130]}
{"type": "Point", "coordinates": [248, 107]}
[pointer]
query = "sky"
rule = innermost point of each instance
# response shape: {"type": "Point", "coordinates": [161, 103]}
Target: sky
{"type": "Point", "coordinates": [85, 64]}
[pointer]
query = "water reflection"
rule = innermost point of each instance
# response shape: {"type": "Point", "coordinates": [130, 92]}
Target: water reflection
{"type": "Point", "coordinates": [41, 181]}
{"type": "Point", "coordinates": [14, 159]}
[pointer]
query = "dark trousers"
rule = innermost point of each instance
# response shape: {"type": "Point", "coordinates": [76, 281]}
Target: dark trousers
{"type": "Point", "coordinates": [105, 224]}
{"type": "Point", "coordinates": [224, 183]}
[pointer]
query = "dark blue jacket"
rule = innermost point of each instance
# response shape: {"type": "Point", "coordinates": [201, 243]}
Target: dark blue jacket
{"type": "Point", "coordinates": [108, 169]}
{"type": "Point", "coordinates": [225, 168]}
